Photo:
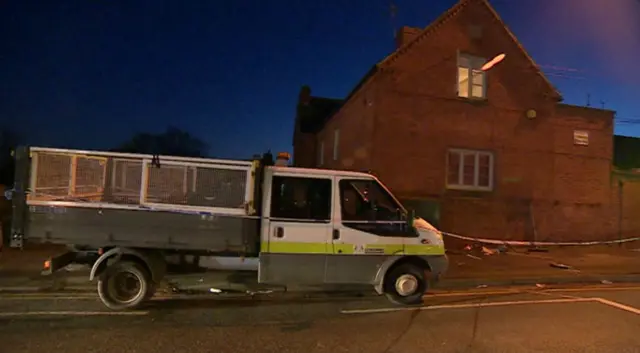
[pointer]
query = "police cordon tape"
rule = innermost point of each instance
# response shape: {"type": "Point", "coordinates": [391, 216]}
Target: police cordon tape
{"type": "Point", "coordinates": [537, 243]}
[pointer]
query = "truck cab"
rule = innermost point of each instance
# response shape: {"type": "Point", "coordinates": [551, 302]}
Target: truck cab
{"type": "Point", "coordinates": [342, 227]}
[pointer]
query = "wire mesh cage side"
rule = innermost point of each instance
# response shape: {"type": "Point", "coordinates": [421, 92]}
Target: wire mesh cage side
{"type": "Point", "coordinates": [82, 178]}
{"type": "Point", "coordinates": [197, 186]}
{"type": "Point", "coordinates": [65, 177]}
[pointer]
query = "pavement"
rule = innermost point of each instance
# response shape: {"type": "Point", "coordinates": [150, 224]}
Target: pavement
{"type": "Point", "coordinates": [603, 318]}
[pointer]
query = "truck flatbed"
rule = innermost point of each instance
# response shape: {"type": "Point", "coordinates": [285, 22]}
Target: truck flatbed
{"type": "Point", "coordinates": [102, 199]}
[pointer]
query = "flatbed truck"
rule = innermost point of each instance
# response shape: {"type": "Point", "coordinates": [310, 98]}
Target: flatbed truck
{"type": "Point", "coordinates": [147, 216]}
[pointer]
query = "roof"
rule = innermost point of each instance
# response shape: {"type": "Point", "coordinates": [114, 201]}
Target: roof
{"type": "Point", "coordinates": [581, 107]}
{"type": "Point", "coordinates": [314, 114]}
{"type": "Point", "coordinates": [447, 15]}
{"type": "Point", "coordinates": [626, 152]}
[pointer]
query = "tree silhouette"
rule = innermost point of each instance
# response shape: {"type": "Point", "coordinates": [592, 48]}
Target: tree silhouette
{"type": "Point", "coordinates": [172, 142]}
{"type": "Point", "coordinates": [8, 141]}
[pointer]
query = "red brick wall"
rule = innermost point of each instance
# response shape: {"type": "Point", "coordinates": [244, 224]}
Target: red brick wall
{"type": "Point", "coordinates": [537, 169]}
{"type": "Point", "coordinates": [401, 123]}
{"type": "Point", "coordinates": [304, 150]}
{"type": "Point", "coordinates": [355, 123]}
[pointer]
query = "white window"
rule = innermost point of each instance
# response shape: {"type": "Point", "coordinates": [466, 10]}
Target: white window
{"type": "Point", "coordinates": [321, 153]}
{"type": "Point", "coordinates": [469, 170]}
{"type": "Point", "coordinates": [472, 80]}
{"type": "Point", "coordinates": [336, 143]}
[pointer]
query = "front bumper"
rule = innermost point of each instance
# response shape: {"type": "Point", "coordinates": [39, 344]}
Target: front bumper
{"type": "Point", "coordinates": [438, 265]}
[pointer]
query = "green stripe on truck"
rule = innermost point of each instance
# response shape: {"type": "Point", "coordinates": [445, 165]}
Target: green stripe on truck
{"type": "Point", "coordinates": [351, 249]}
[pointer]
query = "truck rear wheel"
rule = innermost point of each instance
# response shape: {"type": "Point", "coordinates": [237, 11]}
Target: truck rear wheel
{"type": "Point", "coordinates": [405, 285]}
{"type": "Point", "coordinates": [124, 285]}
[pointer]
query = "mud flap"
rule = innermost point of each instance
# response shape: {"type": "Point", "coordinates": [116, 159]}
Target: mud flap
{"type": "Point", "coordinates": [56, 263]}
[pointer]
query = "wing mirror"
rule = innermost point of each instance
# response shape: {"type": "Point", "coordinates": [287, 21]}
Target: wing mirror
{"type": "Point", "coordinates": [411, 214]}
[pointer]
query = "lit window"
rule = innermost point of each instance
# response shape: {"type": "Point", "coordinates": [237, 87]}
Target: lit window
{"type": "Point", "coordinates": [472, 81]}
{"type": "Point", "coordinates": [469, 170]}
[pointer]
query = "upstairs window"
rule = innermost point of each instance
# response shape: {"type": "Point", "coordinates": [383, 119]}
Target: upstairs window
{"type": "Point", "coordinates": [472, 80]}
{"type": "Point", "coordinates": [470, 170]}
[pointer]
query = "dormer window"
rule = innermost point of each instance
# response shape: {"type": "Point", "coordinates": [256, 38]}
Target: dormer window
{"type": "Point", "coordinates": [472, 80]}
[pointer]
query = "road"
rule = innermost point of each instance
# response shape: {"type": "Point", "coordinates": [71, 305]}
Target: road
{"type": "Point", "coordinates": [561, 320]}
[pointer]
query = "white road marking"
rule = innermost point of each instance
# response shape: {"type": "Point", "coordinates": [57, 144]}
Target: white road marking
{"type": "Point", "coordinates": [471, 305]}
{"type": "Point", "coordinates": [74, 313]}
{"type": "Point", "coordinates": [61, 297]}
{"type": "Point", "coordinates": [618, 305]}
{"type": "Point", "coordinates": [551, 294]}
{"type": "Point", "coordinates": [523, 289]}
{"type": "Point", "coordinates": [5, 298]}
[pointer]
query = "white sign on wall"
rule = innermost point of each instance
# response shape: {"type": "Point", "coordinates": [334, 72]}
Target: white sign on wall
{"type": "Point", "coordinates": [581, 138]}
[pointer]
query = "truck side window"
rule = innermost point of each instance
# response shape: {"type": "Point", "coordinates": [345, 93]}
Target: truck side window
{"type": "Point", "coordinates": [297, 198]}
{"type": "Point", "coordinates": [368, 207]}
{"type": "Point", "coordinates": [366, 200]}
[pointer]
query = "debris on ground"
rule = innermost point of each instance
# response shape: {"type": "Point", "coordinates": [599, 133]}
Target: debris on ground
{"type": "Point", "coordinates": [561, 266]}
{"type": "Point", "coordinates": [482, 286]}
{"type": "Point", "coordinates": [540, 285]}
{"type": "Point", "coordinates": [488, 252]}
{"type": "Point", "coordinates": [604, 281]}
{"type": "Point", "coordinates": [537, 249]}
{"type": "Point", "coordinates": [474, 257]}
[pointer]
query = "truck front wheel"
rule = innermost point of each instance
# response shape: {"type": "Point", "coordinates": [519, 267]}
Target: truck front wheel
{"type": "Point", "coordinates": [124, 285]}
{"type": "Point", "coordinates": [405, 285]}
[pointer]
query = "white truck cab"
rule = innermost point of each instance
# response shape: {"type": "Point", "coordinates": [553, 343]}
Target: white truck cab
{"type": "Point", "coordinates": [341, 227]}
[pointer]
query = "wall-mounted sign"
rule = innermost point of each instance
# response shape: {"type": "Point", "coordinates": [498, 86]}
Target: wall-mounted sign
{"type": "Point", "coordinates": [581, 138]}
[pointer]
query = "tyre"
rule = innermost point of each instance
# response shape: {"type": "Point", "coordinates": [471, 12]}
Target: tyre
{"type": "Point", "coordinates": [124, 285]}
{"type": "Point", "coordinates": [405, 285]}
{"type": "Point", "coordinates": [151, 291]}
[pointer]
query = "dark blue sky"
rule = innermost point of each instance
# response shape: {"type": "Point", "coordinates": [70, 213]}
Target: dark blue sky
{"type": "Point", "coordinates": [88, 74]}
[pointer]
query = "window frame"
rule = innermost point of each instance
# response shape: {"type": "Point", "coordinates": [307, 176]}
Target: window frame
{"type": "Point", "coordinates": [472, 64]}
{"type": "Point", "coordinates": [303, 178]}
{"type": "Point", "coordinates": [321, 154]}
{"type": "Point", "coordinates": [459, 185]}
{"type": "Point", "coordinates": [382, 228]}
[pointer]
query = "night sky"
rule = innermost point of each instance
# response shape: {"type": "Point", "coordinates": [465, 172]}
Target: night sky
{"type": "Point", "coordinates": [88, 74]}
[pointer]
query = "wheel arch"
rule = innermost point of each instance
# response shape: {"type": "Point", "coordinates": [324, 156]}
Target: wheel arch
{"type": "Point", "coordinates": [151, 260]}
{"type": "Point", "coordinates": [391, 263]}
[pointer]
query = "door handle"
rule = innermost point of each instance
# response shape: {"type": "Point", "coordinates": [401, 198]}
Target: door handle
{"type": "Point", "coordinates": [279, 232]}
{"type": "Point", "coordinates": [336, 234]}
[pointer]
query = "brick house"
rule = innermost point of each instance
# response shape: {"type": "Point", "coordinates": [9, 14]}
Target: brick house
{"type": "Point", "coordinates": [495, 152]}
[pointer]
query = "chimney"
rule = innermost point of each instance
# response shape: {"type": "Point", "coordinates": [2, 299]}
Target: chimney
{"type": "Point", "coordinates": [305, 95]}
{"type": "Point", "coordinates": [406, 34]}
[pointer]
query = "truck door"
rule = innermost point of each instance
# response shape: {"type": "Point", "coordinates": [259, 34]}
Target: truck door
{"type": "Point", "coordinates": [298, 222]}
{"type": "Point", "coordinates": [368, 228]}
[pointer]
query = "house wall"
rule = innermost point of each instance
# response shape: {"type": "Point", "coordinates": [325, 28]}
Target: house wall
{"type": "Point", "coordinates": [304, 149]}
{"type": "Point", "coordinates": [626, 196]}
{"type": "Point", "coordinates": [401, 124]}
{"type": "Point", "coordinates": [540, 177]}
{"type": "Point", "coordinates": [356, 125]}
